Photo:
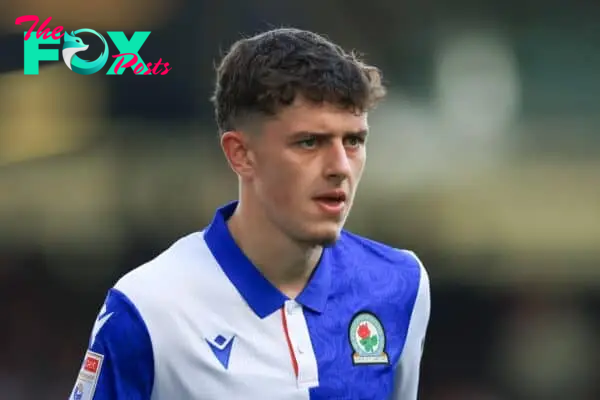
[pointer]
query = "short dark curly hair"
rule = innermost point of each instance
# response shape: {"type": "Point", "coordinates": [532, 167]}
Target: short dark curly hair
{"type": "Point", "coordinates": [261, 74]}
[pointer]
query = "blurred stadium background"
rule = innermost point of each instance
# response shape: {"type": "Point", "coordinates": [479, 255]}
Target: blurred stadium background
{"type": "Point", "coordinates": [484, 160]}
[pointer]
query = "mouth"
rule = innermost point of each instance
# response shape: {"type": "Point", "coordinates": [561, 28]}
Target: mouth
{"type": "Point", "coordinates": [332, 202]}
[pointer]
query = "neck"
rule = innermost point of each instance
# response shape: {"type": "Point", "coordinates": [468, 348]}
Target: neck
{"type": "Point", "coordinates": [285, 263]}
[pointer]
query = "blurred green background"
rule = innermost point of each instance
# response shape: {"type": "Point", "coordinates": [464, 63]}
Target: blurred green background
{"type": "Point", "coordinates": [485, 160]}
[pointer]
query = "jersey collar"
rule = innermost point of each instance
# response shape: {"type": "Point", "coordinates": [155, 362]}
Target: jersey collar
{"type": "Point", "coordinates": [259, 293]}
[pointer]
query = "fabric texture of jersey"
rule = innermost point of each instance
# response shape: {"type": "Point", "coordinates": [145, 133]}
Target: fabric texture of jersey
{"type": "Point", "coordinates": [201, 322]}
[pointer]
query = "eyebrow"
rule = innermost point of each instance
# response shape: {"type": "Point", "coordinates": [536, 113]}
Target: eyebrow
{"type": "Point", "coordinates": [362, 133]}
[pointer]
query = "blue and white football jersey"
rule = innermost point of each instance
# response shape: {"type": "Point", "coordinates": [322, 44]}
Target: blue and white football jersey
{"type": "Point", "coordinates": [201, 322]}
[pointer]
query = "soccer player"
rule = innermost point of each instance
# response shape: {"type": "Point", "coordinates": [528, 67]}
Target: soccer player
{"type": "Point", "coordinates": [273, 299]}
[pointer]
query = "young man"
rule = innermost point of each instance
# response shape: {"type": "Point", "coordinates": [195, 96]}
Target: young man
{"type": "Point", "coordinates": [273, 300]}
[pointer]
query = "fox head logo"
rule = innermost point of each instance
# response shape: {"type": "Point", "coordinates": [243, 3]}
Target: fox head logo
{"type": "Point", "coordinates": [73, 44]}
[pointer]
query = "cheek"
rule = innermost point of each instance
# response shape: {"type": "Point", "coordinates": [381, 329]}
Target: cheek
{"type": "Point", "coordinates": [278, 182]}
{"type": "Point", "coordinates": [358, 166]}
{"type": "Point", "coordinates": [279, 188]}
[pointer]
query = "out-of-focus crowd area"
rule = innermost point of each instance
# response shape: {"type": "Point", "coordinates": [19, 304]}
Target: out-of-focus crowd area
{"type": "Point", "coordinates": [485, 160]}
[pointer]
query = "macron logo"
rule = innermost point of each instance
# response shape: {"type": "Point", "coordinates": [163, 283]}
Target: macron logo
{"type": "Point", "coordinates": [102, 319]}
{"type": "Point", "coordinates": [221, 347]}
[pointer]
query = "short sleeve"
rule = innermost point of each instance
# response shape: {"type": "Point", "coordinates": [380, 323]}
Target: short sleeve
{"type": "Point", "coordinates": [406, 385]}
{"type": "Point", "coordinates": [119, 362]}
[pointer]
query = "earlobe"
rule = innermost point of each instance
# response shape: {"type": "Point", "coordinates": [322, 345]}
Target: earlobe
{"type": "Point", "coordinates": [237, 153]}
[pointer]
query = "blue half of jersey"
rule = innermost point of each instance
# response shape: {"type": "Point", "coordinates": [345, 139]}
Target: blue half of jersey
{"type": "Point", "coordinates": [121, 337]}
{"type": "Point", "coordinates": [388, 291]}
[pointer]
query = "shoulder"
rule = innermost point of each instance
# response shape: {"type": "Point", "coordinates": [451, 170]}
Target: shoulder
{"type": "Point", "coordinates": [394, 271]}
{"type": "Point", "coordinates": [160, 278]}
{"type": "Point", "coordinates": [379, 255]}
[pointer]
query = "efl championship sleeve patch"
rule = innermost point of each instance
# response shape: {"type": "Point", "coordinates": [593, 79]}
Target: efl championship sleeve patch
{"type": "Point", "coordinates": [88, 377]}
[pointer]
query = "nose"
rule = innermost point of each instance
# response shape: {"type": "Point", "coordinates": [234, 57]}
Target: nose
{"type": "Point", "coordinates": [337, 161]}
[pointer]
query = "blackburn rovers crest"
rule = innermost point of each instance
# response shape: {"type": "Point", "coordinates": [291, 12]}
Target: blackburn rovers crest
{"type": "Point", "coordinates": [367, 338]}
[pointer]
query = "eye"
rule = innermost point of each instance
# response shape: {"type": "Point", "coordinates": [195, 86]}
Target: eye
{"type": "Point", "coordinates": [354, 141]}
{"type": "Point", "coordinates": [308, 143]}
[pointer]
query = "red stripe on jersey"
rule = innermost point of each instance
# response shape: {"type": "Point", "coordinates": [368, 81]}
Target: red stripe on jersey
{"type": "Point", "coordinates": [289, 342]}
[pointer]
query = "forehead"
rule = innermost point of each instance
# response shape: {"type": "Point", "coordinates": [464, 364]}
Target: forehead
{"type": "Point", "coordinates": [304, 116]}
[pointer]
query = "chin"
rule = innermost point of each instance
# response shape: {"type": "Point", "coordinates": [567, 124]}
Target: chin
{"type": "Point", "coordinates": [330, 241]}
{"type": "Point", "coordinates": [325, 237]}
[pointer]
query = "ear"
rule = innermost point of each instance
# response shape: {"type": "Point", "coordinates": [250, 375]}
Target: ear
{"type": "Point", "coordinates": [235, 145]}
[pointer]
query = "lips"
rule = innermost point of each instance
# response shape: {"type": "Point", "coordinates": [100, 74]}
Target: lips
{"type": "Point", "coordinates": [335, 196]}
{"type": "Point", "coordinates": [332, 202]}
